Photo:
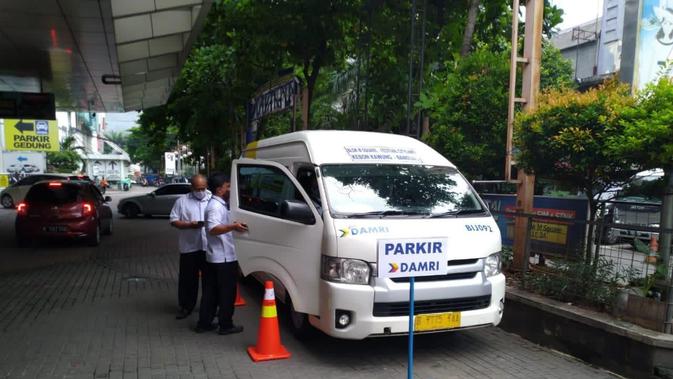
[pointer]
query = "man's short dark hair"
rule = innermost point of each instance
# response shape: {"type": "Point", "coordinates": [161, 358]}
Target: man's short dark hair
{"type": "Point", "coordinates": [216, 180]}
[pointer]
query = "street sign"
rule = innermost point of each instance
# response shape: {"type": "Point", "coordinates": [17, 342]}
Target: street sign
{"type": "Point", "coordinates": [169, 159]}
{"type": "Point", "coordinates": [409, 258]}
{"type": "Point", "coordinates": [31, 135]}
{"type": "Point", "coordinates": [23, 162]}
{"type": "Point", "coordinates": [402, 258]}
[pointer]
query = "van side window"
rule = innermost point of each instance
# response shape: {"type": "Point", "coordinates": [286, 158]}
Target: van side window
{"type": "Point", "coordinates": [263, 189]}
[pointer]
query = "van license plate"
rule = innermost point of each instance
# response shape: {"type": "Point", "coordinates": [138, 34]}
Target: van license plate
{"type": "Point", "coordinates": [437, 321]}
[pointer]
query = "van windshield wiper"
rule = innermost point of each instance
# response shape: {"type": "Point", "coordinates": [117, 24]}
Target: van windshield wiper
{"type": "Point", "coordinates": [457, 213]}
{"type": "Point", "coordinates": [381, 214]}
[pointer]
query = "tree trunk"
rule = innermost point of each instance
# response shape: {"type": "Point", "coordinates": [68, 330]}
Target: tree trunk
{"type": "Point", "coordinates": [469, 27]}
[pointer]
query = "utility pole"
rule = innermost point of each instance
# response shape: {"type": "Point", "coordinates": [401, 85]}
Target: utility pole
{"type": "Point", "coordinates": [532, 55]}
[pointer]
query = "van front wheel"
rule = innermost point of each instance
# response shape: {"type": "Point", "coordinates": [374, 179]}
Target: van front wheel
{"type": "Point", "coordinates": [298, 321]}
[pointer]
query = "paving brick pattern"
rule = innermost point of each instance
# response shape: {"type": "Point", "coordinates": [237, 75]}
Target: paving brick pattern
{"type": "Point", "coordinates": [111, 316]}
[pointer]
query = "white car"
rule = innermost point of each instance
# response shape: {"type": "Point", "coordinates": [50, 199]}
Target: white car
{"type": "Point", "coordinates": [159, 202]}
{"type": "Point", "coordinates": [15, 193]}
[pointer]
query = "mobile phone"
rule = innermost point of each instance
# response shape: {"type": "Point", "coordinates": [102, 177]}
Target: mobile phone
{"type": "Point", "coordinates": [201, 223]}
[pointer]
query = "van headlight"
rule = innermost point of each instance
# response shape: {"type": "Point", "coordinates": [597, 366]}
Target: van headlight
{"type": "Point", "coordinates": [492, 265]}
{"type": "Point", "coordinates": [344, 270]}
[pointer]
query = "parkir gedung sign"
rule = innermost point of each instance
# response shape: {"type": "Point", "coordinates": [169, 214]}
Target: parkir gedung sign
{"type": "Point", "coordinates": [31, 135]}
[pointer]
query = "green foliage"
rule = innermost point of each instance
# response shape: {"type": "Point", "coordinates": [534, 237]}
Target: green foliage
{"type": "Point", "coordinates": [66, 160]}
{"type": "Point", "coordinates": [568, 138]}
{"type": "Point", "coordinates": [555, 71]}
{"type": "Point", "coordinates": [648, 127]}
{"type": "Point", "coordinates": [577, 282]}
{"type": "Point", "coordinates": [468, 108]}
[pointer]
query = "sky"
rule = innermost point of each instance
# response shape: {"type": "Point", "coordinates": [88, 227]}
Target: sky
{"type": "Point", "coordinates": [578, 11]}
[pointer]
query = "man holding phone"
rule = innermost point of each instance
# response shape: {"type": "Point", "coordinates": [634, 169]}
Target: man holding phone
{"type": "Point", "coordinates": [188, 215]}
{"type": "Point", "coordinates": [219, 279]}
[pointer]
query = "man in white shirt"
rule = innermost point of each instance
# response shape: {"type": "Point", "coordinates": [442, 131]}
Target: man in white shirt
{"type": "Point", "coordinates": [188, 215]}
{"type": "Point", "coordinates": [219, 278]}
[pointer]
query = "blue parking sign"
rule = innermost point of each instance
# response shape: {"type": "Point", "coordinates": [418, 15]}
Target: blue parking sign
{"type": "Point", "coordinates": [41, 127]}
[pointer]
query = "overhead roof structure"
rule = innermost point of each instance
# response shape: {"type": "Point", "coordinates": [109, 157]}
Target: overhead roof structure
{"type": "Point", "coordinates": [66, 47]}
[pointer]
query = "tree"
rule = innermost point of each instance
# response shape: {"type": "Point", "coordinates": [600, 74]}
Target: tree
{"type": "Point", "coordinates": [569, 138]}
{"type": "Point", "coordinates": [66, 160]}
{"type": "Point", "coordinates": [648, 141]}
{"type": "Point", "coordinates": [468, 108]}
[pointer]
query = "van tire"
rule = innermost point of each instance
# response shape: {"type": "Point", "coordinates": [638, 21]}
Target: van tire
{"type": "Point", "coordinates": [298, 322]}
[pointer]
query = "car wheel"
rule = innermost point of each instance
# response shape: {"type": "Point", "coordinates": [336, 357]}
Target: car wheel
{"type": "Point", "coordinates": [298, 322]}
{"type": "Point", "coordinates": [7, 201]}
{"type": "Point", "coordinates": [94, 239]}
{"type": "Point", "coordinates": [108, 228]}
{"type": "Point", "coordinates": [131, 210]}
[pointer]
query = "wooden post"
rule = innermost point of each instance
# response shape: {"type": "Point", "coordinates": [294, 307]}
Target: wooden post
{"type": "Point", "coordinates": [530, 88]}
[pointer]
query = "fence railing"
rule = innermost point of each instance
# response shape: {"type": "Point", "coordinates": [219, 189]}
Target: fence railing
{"type": "Point", "coordinates": [625, 238]}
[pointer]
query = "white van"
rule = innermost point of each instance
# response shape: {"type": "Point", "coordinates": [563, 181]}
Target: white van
{"type": "Point", "coordinates": [317, 203]}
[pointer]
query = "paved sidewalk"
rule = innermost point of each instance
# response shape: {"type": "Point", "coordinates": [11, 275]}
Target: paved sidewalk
{"type": "Point", "coordinates": [112, 316]}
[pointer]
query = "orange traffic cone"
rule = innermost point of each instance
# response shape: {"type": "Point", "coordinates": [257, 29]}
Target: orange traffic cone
{"type": "Point", "coordinates": [268, 339]}
{"type": "Point", "coordinates": [239, 299]}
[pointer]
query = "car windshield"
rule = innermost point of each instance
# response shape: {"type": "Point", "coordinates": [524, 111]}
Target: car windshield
{"type": "Point", "coordinates": [53, 193]}
{"type": "Point", "coordinates": [374, 190]}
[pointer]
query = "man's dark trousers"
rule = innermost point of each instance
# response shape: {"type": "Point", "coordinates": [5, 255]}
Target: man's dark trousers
{"type": "Point", "coordinates": [188, 279]}
{"type": "Point", "coordinates": [219, 290]}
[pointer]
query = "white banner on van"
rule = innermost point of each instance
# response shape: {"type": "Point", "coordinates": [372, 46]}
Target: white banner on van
{"type": "Point", "coordinates": [379, 154]}
{"type": "Point", "coordinates": [401, 258]}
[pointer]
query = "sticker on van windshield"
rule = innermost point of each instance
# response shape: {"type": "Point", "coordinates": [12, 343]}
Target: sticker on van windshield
{"type": "Point", "coordinates": [358, 230]}
{"type": "Point", "coordinates": [412, 257]}
{"type": "Point", "coordinates": [382, 154]}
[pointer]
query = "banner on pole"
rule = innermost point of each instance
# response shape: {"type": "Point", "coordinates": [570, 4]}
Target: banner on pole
{"type": "Point", "coordinates": [401, 258]}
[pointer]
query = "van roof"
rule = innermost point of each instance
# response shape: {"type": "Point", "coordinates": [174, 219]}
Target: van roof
{"type": "Point", "coordinates": [342, 146]}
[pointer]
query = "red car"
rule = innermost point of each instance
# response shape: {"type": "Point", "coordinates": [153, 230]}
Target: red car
{"type": "Point", "coordinates": [63, 209]}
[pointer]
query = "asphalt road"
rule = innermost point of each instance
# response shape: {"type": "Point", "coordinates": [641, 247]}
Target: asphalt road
{"type": "Point", "coordinates": [73, 311]}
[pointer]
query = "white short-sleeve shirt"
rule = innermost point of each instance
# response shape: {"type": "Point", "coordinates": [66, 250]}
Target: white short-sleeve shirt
{"type": "Point", "coordinates": [220, 247]}
{"type": "Point", "coordinates": [189, 208]}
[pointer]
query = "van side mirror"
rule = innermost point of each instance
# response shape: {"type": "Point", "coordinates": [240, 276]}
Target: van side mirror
{"type": "Point", "coordinates": [297, 211]}
{"type": "Point", "coordinates": [107, 199]}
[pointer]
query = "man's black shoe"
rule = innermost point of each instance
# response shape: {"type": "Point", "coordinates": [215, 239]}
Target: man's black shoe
{"type": "Point", "coordinates": [233, 330]}
{"type": "Point", "coordinates": [203, 329]}
{"type": "Point", "coordinates": [183, 314]}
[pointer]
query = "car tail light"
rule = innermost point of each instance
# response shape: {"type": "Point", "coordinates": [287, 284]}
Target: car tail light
{"type": "Point", "coordinates": [87, 209]}
{"type": "Point", "coordinates": [22, 209]}
{"type": "Point", "coordinates": [55, 184]}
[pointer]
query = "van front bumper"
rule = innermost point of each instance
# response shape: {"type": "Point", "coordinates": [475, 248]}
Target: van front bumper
{"type": "Point", "coordinates": [358, 302]}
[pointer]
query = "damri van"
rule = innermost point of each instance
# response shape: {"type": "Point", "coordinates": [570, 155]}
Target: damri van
{"type": "Point", "coordinates": [318, 204]}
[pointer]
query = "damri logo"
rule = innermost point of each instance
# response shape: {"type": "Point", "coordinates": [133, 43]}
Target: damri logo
{"type": "Point", "coordinates": [394, 267]}
{"type": "Point", "coordinates": [358, 230]}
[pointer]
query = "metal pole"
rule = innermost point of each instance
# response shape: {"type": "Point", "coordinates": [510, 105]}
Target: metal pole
{"type": "Point", "coordinates": [512, 88]}
{"type": "Point", "coordinates": [665, 246]}
{"type": "Point", "coordinates": [410, 365]}
{"type": "Point", "coordinates": [411, 65]}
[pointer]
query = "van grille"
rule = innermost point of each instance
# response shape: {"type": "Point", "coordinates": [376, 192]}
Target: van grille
{"type": "Point", "coordinates": [432, 306]}
{"type": "Point", "coordinates": [437, 278]}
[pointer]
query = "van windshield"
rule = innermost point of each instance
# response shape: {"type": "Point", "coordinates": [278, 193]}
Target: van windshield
{"type": "Point", "coordinates": [377, 190]}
